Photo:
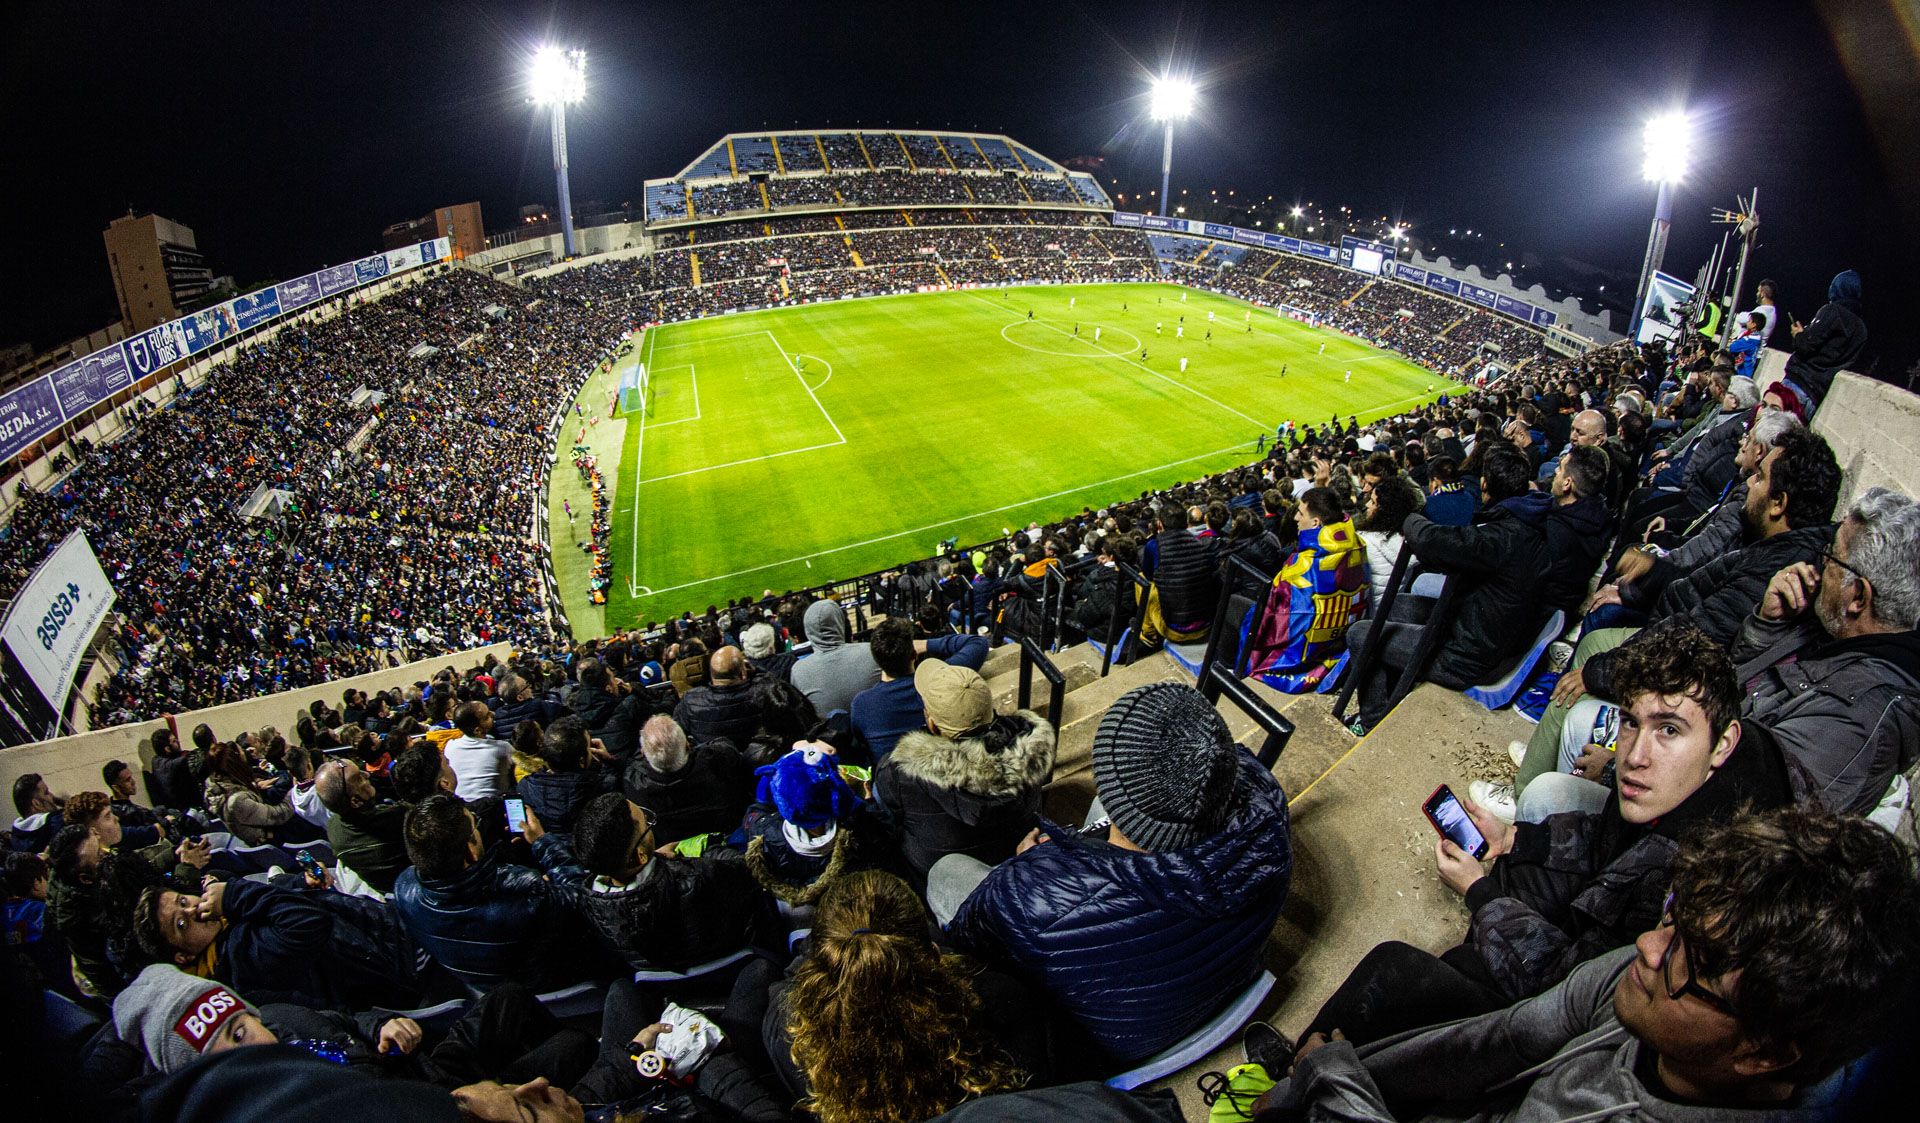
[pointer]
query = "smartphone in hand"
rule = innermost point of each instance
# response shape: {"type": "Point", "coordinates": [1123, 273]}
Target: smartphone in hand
{"type": "Point", "coordinates": [1444, 811]}
{"type": "Point", "coordinates": [516, 815]}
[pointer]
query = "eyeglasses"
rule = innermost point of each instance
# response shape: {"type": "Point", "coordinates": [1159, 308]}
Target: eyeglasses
{"type": "Point", "coordinates": [1827, 555]}
{"type": "Point", "coordinates": [1691, 985]}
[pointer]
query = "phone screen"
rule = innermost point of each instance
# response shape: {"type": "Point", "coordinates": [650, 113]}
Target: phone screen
{"type": "Point", "coordinates": [516, 813]}
{"type": "Point", "coordinates": [1452, 821]}
{"type": "Point", "coordinates": [309, 863]}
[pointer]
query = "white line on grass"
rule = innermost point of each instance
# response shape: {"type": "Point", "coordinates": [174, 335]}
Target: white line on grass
{"type": "Point", "coordinates": [808, 558]}
{"type": "Point", "coordinates": [639, 453]}
{"type": "Point", "coordinates": [748, 460]}
{"type": "Point", "coordinates": [803, 384]}
{"type": "Point", "coordinates": [1130, 360]}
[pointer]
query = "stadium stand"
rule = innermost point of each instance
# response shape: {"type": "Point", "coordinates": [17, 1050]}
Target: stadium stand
{"type": "Point", "coordinates": [411, 539]}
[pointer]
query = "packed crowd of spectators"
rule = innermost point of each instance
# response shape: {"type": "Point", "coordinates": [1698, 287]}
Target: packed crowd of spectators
{"type": "Point", "coordinates": [1696, 902]}
{"type": "Point", "coordinates": [409, 528]}
{"type": "Point", "coordinates": [934, 185]}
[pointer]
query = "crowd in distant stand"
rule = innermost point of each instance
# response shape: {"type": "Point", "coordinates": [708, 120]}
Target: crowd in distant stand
{"type": "Point", "coordinates": [409, 526]}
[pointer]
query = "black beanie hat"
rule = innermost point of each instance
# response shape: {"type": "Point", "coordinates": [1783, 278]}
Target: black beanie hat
{"type": "Point", "coordinates": [1165, 766]}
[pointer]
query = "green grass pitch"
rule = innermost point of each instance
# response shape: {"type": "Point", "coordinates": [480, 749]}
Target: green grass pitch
{"type": "Point", "coordinates": [795, 446]}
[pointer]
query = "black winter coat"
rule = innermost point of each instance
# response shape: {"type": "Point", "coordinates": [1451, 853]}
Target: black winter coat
{"type": "Point", "coordinates": [1577, 535]}
{"type": "Point", "coordinates": [729, 711]}
{"type": "Point", "coordinates": [957, 797]}
{"type": "Point", "coordinates": [707, 796]}
{"type": "Point", "coordinates": [1264, 552]}
{"type": "Point", "coordinates": [1502, 557]}
{"type": "Point", "coordinates": [1583, 883]}
{"type": "Point", "coordinates": [1092, 610]}
{"type": "Point", "coordinates": [541, 711]}
{"type": "Point", "coordinates": [615, 720]}
{"type": "Point", "coordinates": [1824, 347]}
{"type": "Point", "coordinates": [680, 912]}
{"type": "Point", "coordinates": [1717, 596]}
{"type": "Point", "coordinates": [1187, 575]}
{"type": "Point", "coordinates": [315, 948]}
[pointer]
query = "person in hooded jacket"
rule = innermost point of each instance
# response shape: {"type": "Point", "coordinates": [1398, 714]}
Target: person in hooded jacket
{"type": "Point", "coordinates": [1558, 889]}
{"type": "Point", "coordinates": [970, 781]}
{"type": "Point", "coordinates": [1197, 855]}
{"type": "Point", "coordinates": [1824, 347]}
{"type": "Point", "coordinates": [837, 670]}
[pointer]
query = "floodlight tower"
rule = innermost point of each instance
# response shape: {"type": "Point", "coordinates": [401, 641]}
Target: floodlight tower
{"type": "Point", "coordinates": [557, 80]}
{"type": "Point", "coordinates": [1666, 142]}
{"type": "Point", "coordinates": [1172, 101]}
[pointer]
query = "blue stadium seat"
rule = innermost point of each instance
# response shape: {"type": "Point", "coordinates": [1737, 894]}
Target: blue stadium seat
{"type": "Point", "coordinates": [698, 970]}
{"type": "Point", "coordinates": [1499, 692]}
{"type": "Point", "coordinates": [1188, 655]}
{"type": "Point", "coordinates": [1196, 1045]}
{"type": "Point", "coordinates": [576, 1001]}
{"type": "Point", "coordinates": [1429, 585]}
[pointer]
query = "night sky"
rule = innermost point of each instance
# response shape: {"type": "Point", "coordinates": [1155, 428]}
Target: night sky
{"type": "Point", "coordinates": [287, 136]}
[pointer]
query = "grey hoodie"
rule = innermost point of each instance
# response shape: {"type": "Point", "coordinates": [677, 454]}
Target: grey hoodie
{"type": "Point", "coordinates": [1559, 1057]}
{"type": "Point", "coordinates": [837, 670]}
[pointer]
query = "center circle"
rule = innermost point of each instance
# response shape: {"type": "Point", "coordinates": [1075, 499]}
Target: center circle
{"type": "Point", "coordinates": [1050, 339]}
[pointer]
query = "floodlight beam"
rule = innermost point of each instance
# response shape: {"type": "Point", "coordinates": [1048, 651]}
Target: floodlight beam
{"type": "Point", "coordinates": [1170, 100]}
{"type": "Point", "coordinates": [1666, 140]}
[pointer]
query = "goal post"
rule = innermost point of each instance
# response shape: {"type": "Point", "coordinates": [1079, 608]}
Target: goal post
{"type": "Point", "coordinates": [633, 389]}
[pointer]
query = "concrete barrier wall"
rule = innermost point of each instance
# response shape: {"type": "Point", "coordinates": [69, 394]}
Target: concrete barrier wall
{"type": "Point", "coordinates": [72, 764]}
{"type": "Point", "coordinates": [1874, 428]}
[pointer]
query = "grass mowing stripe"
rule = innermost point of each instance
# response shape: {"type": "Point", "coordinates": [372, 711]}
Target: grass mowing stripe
{"type": "Point", "coordinates": [951, 412]}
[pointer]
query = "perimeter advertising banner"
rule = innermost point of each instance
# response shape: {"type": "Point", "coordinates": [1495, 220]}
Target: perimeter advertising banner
{"type": "Point", "coordinates": [56, 615]}
{"type": "Point", "coordinates": [30, 412]}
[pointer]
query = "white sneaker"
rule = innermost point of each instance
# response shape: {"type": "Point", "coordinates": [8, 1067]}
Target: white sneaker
{"type": "Point", "coordinates": [1516, 752]}
{"type": "Point", "coordinates": [1559, 654]}
{"type": "Point", "coordinates": [1494, 799]}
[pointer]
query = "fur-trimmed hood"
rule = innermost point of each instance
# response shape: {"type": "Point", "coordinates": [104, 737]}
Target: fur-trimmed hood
{"type": "Point", "coordinates": [1024, 764]}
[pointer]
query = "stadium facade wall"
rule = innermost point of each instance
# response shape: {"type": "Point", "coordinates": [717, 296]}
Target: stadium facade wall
{"type": "Point", "coordinates": [72, 764]}
{"type": "Point", "coordinates": [1574, 317]}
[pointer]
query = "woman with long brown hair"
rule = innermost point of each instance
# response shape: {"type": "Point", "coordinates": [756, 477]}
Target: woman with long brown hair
{"type": "Point", "coordinates": [881, 1023]}
{"type": "Point", "coordinates": [234, 796]}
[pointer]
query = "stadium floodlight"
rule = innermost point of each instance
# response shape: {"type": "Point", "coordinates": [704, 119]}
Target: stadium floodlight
{"type": "Point", "coordinates": [1667, 141]}
{"type": "Point", "coordinates": [1172, 99]}
{"type": "Point", "coordinates": [557, 79]}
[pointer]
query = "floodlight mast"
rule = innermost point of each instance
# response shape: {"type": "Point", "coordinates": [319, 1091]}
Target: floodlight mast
{"type": "Point", "coordinates": [559, 78]}
{"type": "Point", "coordinates": [1666, 142]}
{"type": "Point", "coordinates": [1172, 100]}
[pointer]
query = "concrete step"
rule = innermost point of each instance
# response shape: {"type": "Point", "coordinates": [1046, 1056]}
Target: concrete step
{"type": "Point", "coordinates": [1000, 660]}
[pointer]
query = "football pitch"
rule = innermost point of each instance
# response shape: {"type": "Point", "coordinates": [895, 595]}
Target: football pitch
{"type": "Point", "coordinates": [794, 446]}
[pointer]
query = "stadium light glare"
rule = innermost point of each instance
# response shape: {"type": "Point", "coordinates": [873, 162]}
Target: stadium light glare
{"type": "Point", "coordinates": [558, 76]}
{"type": "Point", "coordinates": [556, 79]}
{"type": "Point", "coordinates": [1172, 99]}
{"type": "Point", "coordinates": [1667, 141]}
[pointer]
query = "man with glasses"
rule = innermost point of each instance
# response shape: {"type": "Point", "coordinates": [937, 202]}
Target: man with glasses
{"type": "Point", "coordinates": [653, 907]}
{"type": "Point", "coordinates": [1786, 946]}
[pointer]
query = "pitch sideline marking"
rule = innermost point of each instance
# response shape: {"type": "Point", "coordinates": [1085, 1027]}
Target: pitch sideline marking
{"type": "Point", "coordinates": [1131, 361]}
{"type": "Point", "coordinates": [944, 522]}
{"type": "Point", "coordinates": [639, 454]}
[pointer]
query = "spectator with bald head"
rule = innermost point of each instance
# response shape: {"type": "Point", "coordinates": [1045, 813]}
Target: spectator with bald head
{"type": "Point", "coordinates": [725, 706]}
{"type": "Point", "coordinates": [368, 835]}
{"type": "Point", "coordinates": [482, 763]}
{"type": "Point", "coordinates": [687, 789]}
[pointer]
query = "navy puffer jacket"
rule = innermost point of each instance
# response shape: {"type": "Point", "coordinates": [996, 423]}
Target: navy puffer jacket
{"type": "Point", "coordinates": [496, 921]}
{"type": "Point", "coordinates": [1140, 948]}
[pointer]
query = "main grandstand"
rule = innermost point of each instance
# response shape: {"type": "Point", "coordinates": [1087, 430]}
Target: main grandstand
{"type": "Point", "coordinates": [453, 597]}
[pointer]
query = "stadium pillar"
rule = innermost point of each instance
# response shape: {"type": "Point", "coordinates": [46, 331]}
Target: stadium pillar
{"type": "Point", "coordinates": [1656, 251]}
{"type": "Point", "coordinates": [560, 175]}
{"type": "Point", "coordinates": [1166, 168]}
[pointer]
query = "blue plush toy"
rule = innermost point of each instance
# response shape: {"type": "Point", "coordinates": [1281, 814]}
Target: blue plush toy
{"type": "Point", "coordinates": [805, 787]}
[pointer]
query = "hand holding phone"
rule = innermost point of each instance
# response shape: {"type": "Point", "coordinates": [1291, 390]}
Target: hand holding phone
{"type": "Point", "coordinates": [1443, 809]}
{"type": "Point", "coordinates": [516, 815]}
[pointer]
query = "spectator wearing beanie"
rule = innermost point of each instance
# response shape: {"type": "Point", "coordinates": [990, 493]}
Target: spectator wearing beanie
{"type": "Point", "coordinates": [969, 782]}
{"type": "Point", "coordinates": [801, 837]}
{"type": "Point", "coordinates": [176, 1018]}
{"type": "Point", "coordinates": [1143, 936]}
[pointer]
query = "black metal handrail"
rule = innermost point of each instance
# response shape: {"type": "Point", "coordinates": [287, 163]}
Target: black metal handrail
{"type": "Point", "coordinates": [1030, 657]}
{"type": "Point", "coordinates": [1115, 632]}
{"type": "Point", "coordinates": [1223, 608]}
{"type": "Point", "coordinates": [1218, 681]}
{"type": "Point", "coordinates": [1433, 630]}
